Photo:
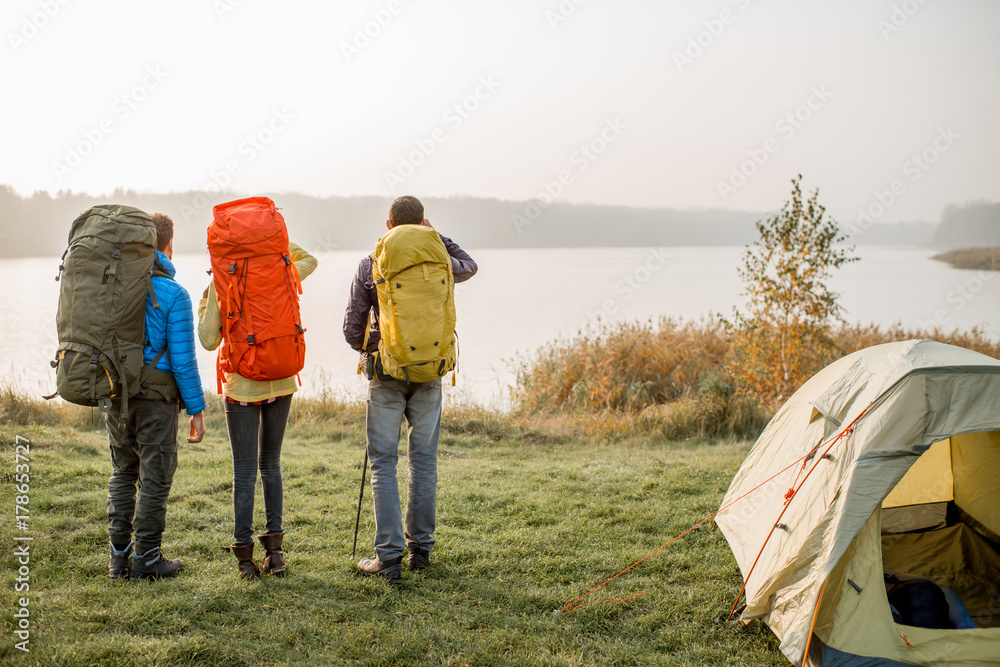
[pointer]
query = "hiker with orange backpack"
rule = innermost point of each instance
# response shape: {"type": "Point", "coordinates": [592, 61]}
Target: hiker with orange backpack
{"type": "Point", "coordinates": [251, 309]}
{"type": "Point", "coordinates": [401, 318]}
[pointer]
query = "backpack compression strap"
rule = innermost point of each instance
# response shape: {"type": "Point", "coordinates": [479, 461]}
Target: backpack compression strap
{"type": "Point", "coordinates": [147, 370]}
{"type": "Point", "coordinates": [227, 326]}
{"type": "Point", "coordinates": [294, 283]}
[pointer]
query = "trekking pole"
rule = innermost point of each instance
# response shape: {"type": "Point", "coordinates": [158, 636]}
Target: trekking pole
{"type": "Point", "coordinates": [361, 494]}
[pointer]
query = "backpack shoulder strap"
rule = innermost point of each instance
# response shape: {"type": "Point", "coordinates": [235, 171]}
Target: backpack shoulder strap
{"type": "Point", "coordinates": [157, 272]}
{"type": "Point", "coordinates": [148, 368]}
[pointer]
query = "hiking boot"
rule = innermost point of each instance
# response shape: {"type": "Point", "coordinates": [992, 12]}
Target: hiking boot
{"type": "Point", "coordinates": [119, 565]}
{"type": "Point", "coordinates": [418, 559]}
{"type": "Point", "coordinates": [274, 561]}
{"type": "Point", "coordinates": [244, 560]}
{"type": "Point", "coordinates": [152, 565]}
{"type": "Point", "coordinates": [390, 570]}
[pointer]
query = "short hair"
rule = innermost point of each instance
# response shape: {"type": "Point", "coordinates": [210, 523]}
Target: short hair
{"type": "Point", "coordinates": [164, 230]}
{"type": "Point", "coordinates": [406, 210]}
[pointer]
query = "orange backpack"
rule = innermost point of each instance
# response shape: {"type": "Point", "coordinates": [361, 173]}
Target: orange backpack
{"type": "Point", "coordinates": [258, 289]}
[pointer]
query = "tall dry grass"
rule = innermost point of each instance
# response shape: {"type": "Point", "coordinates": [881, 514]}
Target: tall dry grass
{"type": "Point", "coordinates": [671, 379]}
{"type": "Point", "coordinates": [665, 379]}
{"type": "Point", "coordinates": [19, 408]}
{"type": "Point", "coordinates": [625, 367]}
{"type": "Point", "coordinates": [972, 258]}
{"type": "Point", "coordinates": [853, 338]}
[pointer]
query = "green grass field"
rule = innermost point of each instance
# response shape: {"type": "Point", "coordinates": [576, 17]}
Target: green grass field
{"type": "Point", "coordinates": [527, 522]}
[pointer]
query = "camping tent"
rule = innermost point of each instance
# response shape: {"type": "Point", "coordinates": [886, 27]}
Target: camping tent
{"type": "Point", "coordinates": [888, 459]}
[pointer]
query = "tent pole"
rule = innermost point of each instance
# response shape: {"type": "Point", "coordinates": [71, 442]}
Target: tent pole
{"type": "Point", "coordinates": [812, 626]}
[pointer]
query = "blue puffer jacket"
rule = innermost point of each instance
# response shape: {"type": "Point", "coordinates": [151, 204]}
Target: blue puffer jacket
{"type": "Point", "coordinates": [172, 325]}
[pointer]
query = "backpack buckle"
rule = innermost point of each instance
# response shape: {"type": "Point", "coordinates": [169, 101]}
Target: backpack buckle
{"type": "Point", "coordinates": [250, 340]}
{"type": "Point", "coordinates": [232, 269]}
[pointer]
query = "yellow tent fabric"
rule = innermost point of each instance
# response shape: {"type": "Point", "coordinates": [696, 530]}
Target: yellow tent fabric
{"type": "Point", "coordinates": [843, 442]}
{"type": "Point", "coordinates": [929, 479]}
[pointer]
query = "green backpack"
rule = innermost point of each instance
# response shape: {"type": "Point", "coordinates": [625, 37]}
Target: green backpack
{"type": "Point", "coordinates": [105, 272]}
{"type": "Point", "coordinates": [413, 277]}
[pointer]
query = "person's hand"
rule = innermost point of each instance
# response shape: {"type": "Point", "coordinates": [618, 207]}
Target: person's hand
{"type": "Point", "coordinates": [426, 223]}
{"type": "Point", "coordinates": [197, 427]}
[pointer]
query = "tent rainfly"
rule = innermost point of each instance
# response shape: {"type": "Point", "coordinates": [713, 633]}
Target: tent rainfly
{"type": "Point", "coordinates": [885, 467]}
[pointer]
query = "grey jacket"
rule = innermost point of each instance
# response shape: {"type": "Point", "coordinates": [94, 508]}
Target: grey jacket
{"type": "Point", "coordinates": [364, 296]}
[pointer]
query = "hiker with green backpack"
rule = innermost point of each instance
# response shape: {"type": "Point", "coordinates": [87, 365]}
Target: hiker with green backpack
{"type": "Point", "coordinates": [401, 318]}
{"type": "Point", "coordinates": [144, 444]}
{"type": "Point", "coordinates": [126, 346]}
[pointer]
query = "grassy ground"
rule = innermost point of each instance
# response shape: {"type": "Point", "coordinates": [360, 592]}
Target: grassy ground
{"type": "Point", "coordinates": [527, 521]}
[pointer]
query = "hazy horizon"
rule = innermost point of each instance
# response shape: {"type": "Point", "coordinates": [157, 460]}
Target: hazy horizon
{"type": "Point", "coordinates": [887, 107]}
{"type": "Point", "coordinates": [37, 226]}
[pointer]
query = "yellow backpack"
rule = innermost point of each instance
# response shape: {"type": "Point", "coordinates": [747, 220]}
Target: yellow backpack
{"type": "Point", "coordinates": [412, 272]}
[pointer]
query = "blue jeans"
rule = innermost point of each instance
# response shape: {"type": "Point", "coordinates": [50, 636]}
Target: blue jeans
{"type": "Point", "coordinates": [255, 435]}
{"type": "Point", "coordinates": [389, 403]}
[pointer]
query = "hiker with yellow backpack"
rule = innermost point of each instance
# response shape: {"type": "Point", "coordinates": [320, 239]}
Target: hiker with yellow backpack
{"type": "Point", "coordinates": [401, 318]}
{"type": "Point", "coordinates": [250, 312]}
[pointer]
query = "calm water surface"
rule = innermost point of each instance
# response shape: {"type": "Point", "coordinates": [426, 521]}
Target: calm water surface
{"type": "Point", "coordinates": [521, 300]}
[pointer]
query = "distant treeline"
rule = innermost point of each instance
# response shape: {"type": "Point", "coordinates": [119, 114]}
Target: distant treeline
{"type": "Point", "coordinates": [37, 225]}
{"type": "Point", "coordinates": [975, 224]}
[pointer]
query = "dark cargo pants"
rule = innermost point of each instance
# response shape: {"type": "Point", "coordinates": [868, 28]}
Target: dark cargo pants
{"type": "Point", "coordinates": [143, 455]}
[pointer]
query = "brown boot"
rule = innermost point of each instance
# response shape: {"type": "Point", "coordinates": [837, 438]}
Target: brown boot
{"type": "Point", "coordinates": [274, 561]}
{"type": "Point", "coordinates": [244, 557]}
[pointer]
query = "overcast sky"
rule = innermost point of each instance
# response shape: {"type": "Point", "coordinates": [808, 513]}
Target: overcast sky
{"type": "Point", "coordinates": [632, 102]}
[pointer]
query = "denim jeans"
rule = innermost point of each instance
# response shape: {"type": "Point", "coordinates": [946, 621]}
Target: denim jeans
{"type": "Point", "coordinates": [389, 403]}
{"type": "Point", "coordinates": [255, 435]}
{"type": "Point", "coordinates": [143, 455]}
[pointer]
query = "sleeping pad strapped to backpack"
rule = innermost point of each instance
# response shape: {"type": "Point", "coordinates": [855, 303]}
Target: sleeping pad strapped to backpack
{"type": "Point", "coordinates": [257, 287]}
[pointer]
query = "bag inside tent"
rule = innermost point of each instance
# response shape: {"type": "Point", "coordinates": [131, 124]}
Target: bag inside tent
{"type": "Point", "coordinates": [942, 522]}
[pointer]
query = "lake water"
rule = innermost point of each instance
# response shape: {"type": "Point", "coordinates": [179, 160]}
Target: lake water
{"type": "Point", "coordinates": [523, 299]}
